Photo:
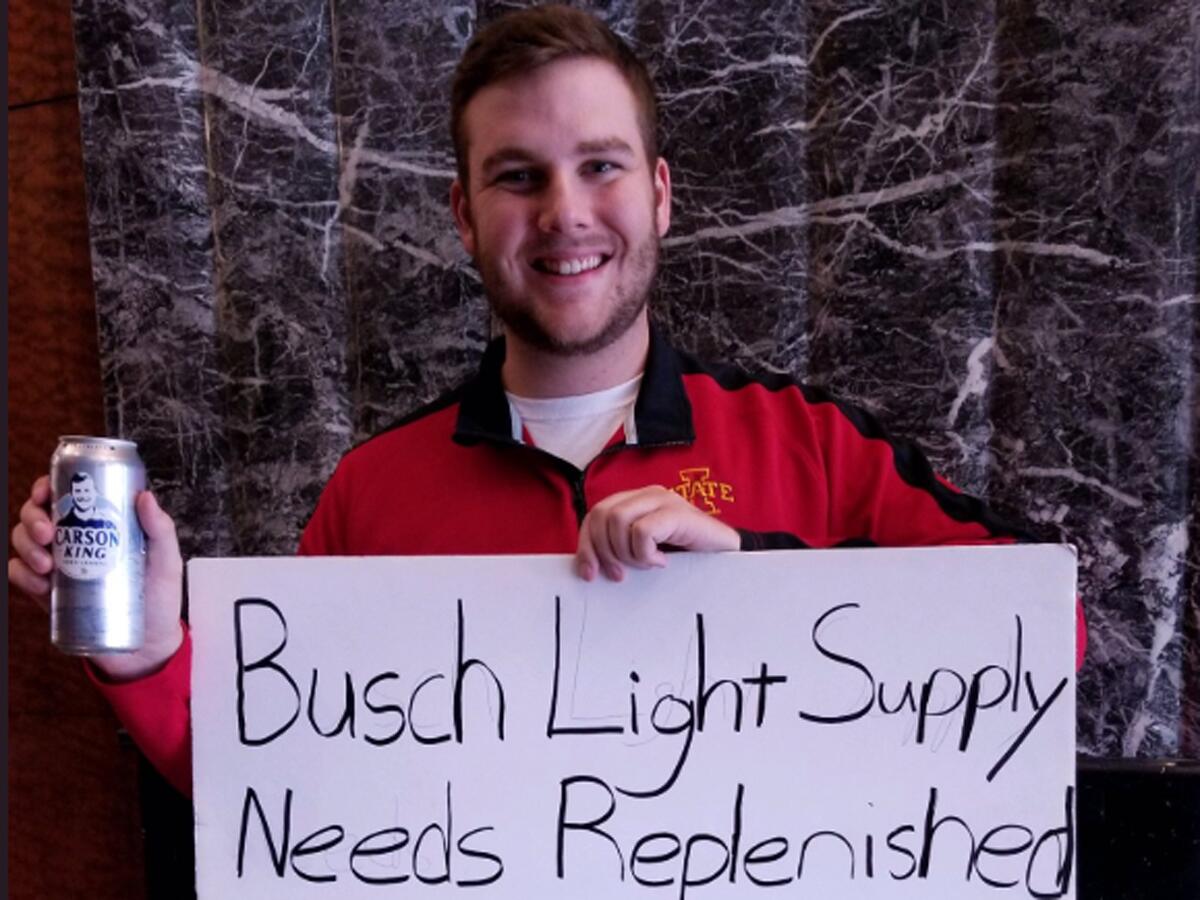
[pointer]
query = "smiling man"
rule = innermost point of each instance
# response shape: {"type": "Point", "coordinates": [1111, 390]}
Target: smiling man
{"type": "Point", "coordinates": [562, 209]}
{"type": "Point", "coordinates": [583, 431]}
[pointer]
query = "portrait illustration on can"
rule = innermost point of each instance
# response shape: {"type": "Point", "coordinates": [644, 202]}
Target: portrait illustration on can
{"type": "Point", "coordinates": [87, 538]}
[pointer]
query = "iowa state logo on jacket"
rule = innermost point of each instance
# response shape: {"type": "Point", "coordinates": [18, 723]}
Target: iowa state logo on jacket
{"type": "Point", "coordinates": [697, 486]}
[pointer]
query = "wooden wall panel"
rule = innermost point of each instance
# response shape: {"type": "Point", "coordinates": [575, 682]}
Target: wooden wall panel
{"type": "Point", "coordinates": [41, 51]}
{"type": "Point", "coordinates": [74, 826]}
{"type": "Point", "coordinates": [53, 360]}
{"type": "Point", "coordinates": [74, 821]}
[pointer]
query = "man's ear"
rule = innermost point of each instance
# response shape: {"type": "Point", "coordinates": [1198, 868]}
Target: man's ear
{"type": "Point", "coordinates": [461, 208]}
{"type": "Point", "coordinates": [662, 196]}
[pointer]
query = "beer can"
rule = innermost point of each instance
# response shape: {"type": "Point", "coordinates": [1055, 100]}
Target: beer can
{"type": "Point", "coordinates": [96, 601]}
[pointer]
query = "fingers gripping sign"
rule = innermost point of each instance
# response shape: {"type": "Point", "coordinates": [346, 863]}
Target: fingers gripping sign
{"type": "Point", "coordinates": [630, 529]}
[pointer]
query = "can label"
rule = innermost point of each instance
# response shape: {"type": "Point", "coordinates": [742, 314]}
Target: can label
{"type": "Point", "coordinates": [88, 538]}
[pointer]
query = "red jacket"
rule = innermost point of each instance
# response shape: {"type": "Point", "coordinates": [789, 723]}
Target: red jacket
{"type": "Point", "coordinates": [784, 464]}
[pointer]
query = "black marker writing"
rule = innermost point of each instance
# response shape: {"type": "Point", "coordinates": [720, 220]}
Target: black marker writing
{"type": "Point", "coordinates": [265, 677]}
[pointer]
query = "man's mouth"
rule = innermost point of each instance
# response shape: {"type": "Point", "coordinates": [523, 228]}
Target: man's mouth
{"type": "Point", "coordinates": [569, 266]}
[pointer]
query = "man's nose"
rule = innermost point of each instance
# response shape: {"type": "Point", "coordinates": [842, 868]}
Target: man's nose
{"type": "Point", "coordinates": [566, 206]}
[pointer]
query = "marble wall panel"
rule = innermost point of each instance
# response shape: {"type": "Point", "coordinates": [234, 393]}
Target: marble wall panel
{"type": "Point", "coordinates": [978, 220]}
{"type": "Point", "coordinates": [151, 226]}
{"type": "Point", "coordinates": [732, 114]}
{"type": "Point", "coordinates": [274, 162]}
{"type": "Point", "coordinates": [417, 322]}
{"type": "Point", "coordinates": [901, 151]}
{"type": "Point", "coordinates": [1095, 356]}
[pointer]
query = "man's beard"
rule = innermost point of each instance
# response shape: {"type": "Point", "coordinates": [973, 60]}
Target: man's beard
{"type": "Point", "coordinates": [523, 321]}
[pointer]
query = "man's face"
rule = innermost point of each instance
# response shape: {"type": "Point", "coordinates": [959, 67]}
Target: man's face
{"type": "Point", "coordinates": [564, 211]}
{"type": "Point", "coordinates": [83, 494]}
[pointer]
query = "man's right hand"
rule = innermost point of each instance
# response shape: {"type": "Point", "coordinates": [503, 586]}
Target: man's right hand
{"type": "Point", "coordinates": [29, 571]}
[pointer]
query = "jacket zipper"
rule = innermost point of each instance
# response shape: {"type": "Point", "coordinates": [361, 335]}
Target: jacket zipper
{"type": "Point", "coordinates": [576, 477]}
{"type": "Point", "coordinates": [578, 496]}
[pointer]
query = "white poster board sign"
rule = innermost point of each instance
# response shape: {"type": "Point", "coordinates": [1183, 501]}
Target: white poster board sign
{"type": "Point", "coordinates": [845, 723]}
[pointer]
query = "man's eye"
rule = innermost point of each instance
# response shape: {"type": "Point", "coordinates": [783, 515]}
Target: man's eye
{"type": "Point", "coordinates": [602, 167]}
{"type": "Point", "coordinates": [518, 177]}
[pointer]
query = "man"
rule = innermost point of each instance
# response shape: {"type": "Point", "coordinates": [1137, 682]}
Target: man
{"type": "Point", "coordinates": [83, 512]}
{"type": "Point", "coordinates": [583, 430]}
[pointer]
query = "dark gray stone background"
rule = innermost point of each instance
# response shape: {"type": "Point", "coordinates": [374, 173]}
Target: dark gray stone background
{"type": "Point", "coordinates": [977, 219]}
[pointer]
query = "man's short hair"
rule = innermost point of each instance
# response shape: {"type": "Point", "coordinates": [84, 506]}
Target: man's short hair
{"type": "Point", "coordinates": [80, 477]}
{"type": "Point", "coordinates": [519, 42]}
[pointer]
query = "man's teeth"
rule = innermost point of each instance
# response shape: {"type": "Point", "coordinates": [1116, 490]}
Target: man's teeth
{"type": "Point", "coordinates": [571, 266]}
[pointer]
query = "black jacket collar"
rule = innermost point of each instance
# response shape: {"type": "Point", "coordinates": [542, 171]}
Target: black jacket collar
{"type": "Point", "coordinates": [663, 412]}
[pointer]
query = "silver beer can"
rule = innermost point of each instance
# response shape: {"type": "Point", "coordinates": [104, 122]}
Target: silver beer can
{"type": "Point", "coordinates": [96, 602]}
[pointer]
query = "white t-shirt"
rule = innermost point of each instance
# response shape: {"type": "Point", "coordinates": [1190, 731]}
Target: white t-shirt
{"type": "Point", "coordinates": [576, 428]}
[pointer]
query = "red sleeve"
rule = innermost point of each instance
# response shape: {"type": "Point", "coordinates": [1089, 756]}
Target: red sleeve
{"type": "Point", "coordinates": [156, 711]}
{"type": "Point", "coordinates": [324, 535]}
{"type": "Point", "coordinates": [885, 491]}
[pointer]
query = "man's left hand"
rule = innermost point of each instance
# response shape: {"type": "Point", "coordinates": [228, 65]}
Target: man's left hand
{"type": "Point", "coordinates": [629, 529]}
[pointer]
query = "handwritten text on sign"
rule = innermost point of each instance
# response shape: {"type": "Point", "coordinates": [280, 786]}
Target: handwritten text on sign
{"type": "Point", "coordinates": [850, 723]}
